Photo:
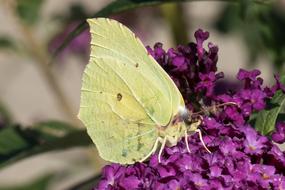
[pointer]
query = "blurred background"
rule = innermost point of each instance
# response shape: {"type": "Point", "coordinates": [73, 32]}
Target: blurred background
{"type": "Point", "coordinates": [40, 80]}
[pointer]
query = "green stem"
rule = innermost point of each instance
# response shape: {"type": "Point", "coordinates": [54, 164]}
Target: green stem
{"type": "Point", "coordinates": [174, 15]}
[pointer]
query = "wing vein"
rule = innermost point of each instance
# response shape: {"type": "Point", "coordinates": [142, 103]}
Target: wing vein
{"type": "Point", "coordinates": [140, 103]}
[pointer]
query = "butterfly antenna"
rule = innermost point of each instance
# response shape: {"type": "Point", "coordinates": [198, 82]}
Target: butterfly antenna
{"type": "Point", "coordinates": [213, 107]}
{"type": "Point", "coordinates": [226, 104]}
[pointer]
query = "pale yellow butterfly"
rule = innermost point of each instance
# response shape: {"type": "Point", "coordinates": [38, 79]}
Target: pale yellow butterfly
{"type": "Point", "coordinates": [129, 104]}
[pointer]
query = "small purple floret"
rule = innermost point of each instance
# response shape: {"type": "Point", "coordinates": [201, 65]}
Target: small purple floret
{"type": "Point", "coordinates": [278, 135]}
{"type": "Point", "coordinates": [241, 158]}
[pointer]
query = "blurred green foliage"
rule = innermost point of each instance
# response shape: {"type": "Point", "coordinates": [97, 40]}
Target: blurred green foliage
{"type": "Point", "coordinates": [265, 120]}
{"type": "Point", "coordinates": [18, 142]}
{"type": "Point", "coordinates": [174, 15]}
{"type": "Point", "coordinates": [5, 115]}
{"type": "Point", "coordinates": [6, 42]}
{"type": "Point", "coordinates": [29, 10]}
{"type": "Point", "coordinates": [262, 27]}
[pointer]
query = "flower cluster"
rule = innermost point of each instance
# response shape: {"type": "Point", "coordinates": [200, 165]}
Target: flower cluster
{"type": "Point", "coordinates": [241, 158]}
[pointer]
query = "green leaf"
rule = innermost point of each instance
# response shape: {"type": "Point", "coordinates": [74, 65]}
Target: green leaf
{"type": "Point", "coordinates": [252, 118]}
{"type": "Point", "coordinates": [6, 42]}
{"type": "Point", "coordinates": [5, 115]}
{"type": "Point", "coordinates": [18, 143]}
{"type": "Point", "coordinates": [52, 130]}
{"type": "Point", "coordinates": [119, 6]}
{"type": "Point", "coordinates": [11, 142]}
{"type": "Point", "coordinates": [261, 26]}
{"type": "Point", "coordinates": [41, 183]}
{"type": "Point", "coordinates": [266, 119]}
{"type": "Point", "coordinates": [29, 10]}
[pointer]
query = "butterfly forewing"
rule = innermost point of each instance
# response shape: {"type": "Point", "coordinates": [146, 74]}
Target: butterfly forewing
{"type": "Point", "coordinates": [126, 96]}
{"type": "Point", "coordinates": [112, 39]}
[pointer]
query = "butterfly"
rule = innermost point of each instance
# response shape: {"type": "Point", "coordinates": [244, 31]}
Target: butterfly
{"type": "Point", "coordinates": [129, 105]}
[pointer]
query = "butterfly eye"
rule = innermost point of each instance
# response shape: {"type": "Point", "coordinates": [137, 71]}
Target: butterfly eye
{"type": "Point", "coordinates": [188, 121]}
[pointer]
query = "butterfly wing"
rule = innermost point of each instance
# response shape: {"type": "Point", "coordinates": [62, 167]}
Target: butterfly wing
{"type": "Point", "coordinates": [125, 94]}
{"type": "Point", "coordinates": [115, 120]}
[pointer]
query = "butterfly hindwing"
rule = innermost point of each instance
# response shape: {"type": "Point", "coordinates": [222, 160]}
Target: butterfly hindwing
{"type": "Point", "coordinates": [116, 122]}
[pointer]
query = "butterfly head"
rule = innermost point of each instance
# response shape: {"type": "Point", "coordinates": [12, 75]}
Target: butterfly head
{"type": "Point", "coordinates": [187, 117]}
{"type": "Point", "coordinates": [183, 112]}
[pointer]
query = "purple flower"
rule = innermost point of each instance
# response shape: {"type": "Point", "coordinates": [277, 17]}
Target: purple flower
{"type": "Point", "coordinates": [229, 147]}
{"type": "Point", "coordinates": [250, 78]}
{"type": "Point", "coordinates": [111, 174]}
{"type": "Point", "coordinates": [212, 58]}
{"type": "Point", "coordinates": [206, 83]}
{"type": "Point", "coordinates": [179, 63]}
{"type": "Point", "coordinates": [241, 158]}
{"type": "Point", "coordinates": [189, 162]}
{"type": "Point", "coordinates": [279, 182]}
{"type": "Point", "coordinates": [233, 114]}
{"type": "Point", "coordinates": [278, 86]}
{"type": "Point", "coordinates": [276, 152]}
{"type": "Point", "coordinates": [215, 171]}
{"type": "Point", "coordinates": [254, 143]}
{"type": "Point", "coordinates": [248, 75]}
{"type": "Point", "coordinates": [278, 135]}
{"type": "Point", "coordinates": [200, 36]}
{"type": "Point", "coordinates": [242, 169]}
{"type": "Point", "coordinates": [158, 53]}
{"type": "Point", "coordinates": [172, 183]}
{"type": "Point", "coordinates": [265, 174]}
{"type": "Point", "coordinates": [166, 170]}
{"type": "Point", "coordinates": [255, 99]}
{"type": "Point", "coordinates": [130, 182]}
{"type": "Point", "coordinates": [197, 179]}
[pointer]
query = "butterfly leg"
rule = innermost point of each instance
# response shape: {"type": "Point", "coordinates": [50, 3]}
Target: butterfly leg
{"type": "Point", "coordinates": [161, 148]}
{"type": "Point", "coordinates": [201, 139]}
{"type": "Point", "coordinates": [186, 141]}
{"type": "Point", "coordinates": [159, 139]}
